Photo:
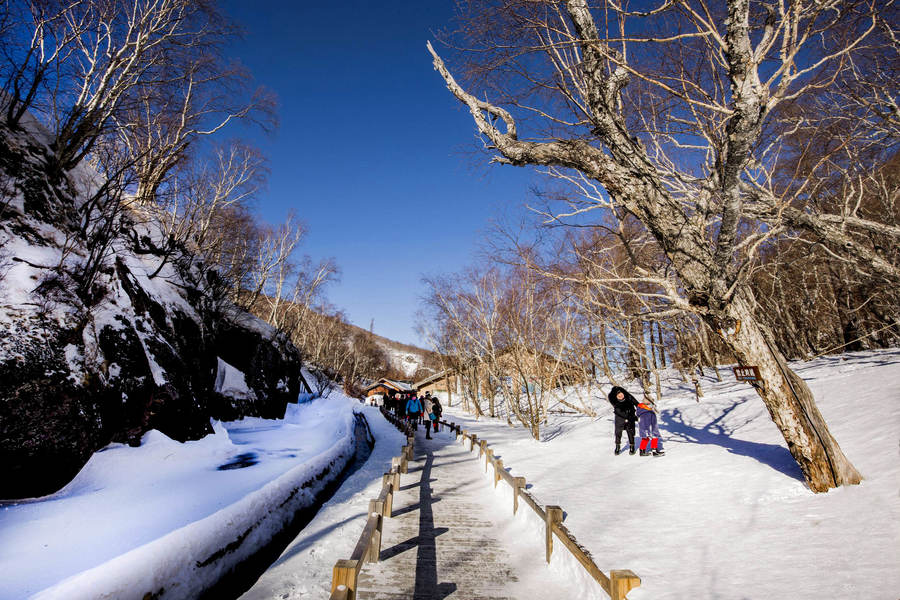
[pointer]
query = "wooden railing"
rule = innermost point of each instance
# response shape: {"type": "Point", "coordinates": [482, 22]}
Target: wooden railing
{"type": "Point", "coordinates": [368, 547]}
{"type": "Point", "coordinates": [344, 578]}
{"type": "Point", "coordinates": [617, 584]}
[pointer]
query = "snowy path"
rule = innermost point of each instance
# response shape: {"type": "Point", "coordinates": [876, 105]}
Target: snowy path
{"type": "Point", "coordinates": [451, 537]}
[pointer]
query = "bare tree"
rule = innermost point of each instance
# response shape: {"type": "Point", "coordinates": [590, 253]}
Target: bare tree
{"type": "Point", "coordinates": [671, 113]}
{"type": "Point", "coordinates": [118, 47]}
{"type": "Point", "coordinates": [37, 39]}
{"type": "Point", "coordinates": [200, 96]}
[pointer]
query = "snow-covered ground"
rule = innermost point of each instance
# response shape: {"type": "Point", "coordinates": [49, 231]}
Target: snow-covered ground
{"type": "Point", "coordinates": [305, 567]}
{"type": "Point", "coordinates": [135, 520]}
{"type": "Point", "coordinates": [725, 514]}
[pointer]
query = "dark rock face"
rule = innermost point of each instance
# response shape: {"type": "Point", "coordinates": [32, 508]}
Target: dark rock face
{"type": "Point", "coordinates": [274, 380]}
{"type": "Point", "coordinates": [77, 373]}
{"type": "Point", "coordinates": [49, 425]}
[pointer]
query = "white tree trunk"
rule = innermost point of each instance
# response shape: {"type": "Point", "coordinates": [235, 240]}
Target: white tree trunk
{"type": "Point", "coordinates": [790, 403]}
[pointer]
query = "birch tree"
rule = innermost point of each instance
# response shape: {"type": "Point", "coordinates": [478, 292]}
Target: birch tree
{"type": "Point", "coordinates": [676, 113]}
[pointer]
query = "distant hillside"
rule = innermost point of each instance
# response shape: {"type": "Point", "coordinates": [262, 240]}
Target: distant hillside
{"type": "Point", "coordinates": [406, 361]}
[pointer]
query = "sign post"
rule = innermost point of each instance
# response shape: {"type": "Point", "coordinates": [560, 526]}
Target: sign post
{"type": "Point", "coordinates": [750, 374]}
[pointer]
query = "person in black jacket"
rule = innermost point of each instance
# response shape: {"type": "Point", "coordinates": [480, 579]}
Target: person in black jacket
{"type": "Point", "coordinates": [623, 405]}
{"type": "Point", "coordinates": [438, 410]}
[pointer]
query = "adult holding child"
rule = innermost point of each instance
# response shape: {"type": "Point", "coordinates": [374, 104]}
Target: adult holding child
{"type": "Point", "coordinates": [624, 406]}
{"type": "Point", "coordinates": [627, 409]}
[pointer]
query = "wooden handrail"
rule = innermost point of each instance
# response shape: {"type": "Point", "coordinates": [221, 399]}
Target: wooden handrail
{"type": "Point", "coordinates": [617, 584]}
{"type": "Point", "coordinates": [368, 547]}
{"type": "Point", "coordinates": [533, 503]}
{"type": "Point", "coordinates": [361, 551]}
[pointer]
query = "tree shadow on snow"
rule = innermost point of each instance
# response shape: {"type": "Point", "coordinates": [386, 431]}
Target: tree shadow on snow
{"type": "Point", "coordinates": [676, 428]}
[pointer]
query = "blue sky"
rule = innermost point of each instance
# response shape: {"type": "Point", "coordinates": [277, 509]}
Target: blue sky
{"type": "Point", "coordinates": [372, 152]}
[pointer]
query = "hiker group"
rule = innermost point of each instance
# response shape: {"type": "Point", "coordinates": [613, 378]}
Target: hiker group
{"type": "Point", "coordinates": [415, 410]}
{"type": "Point", "coordinates": [628, 410]}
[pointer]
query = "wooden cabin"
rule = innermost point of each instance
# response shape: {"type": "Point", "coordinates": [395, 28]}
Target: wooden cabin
{"type": "Point", "coordinates": [386, 386]}
{"type": "Point", "coordinates": [443, 385]}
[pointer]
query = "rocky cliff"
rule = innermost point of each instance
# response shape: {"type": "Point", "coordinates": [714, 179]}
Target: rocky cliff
{"type": "Point", "coordinates": [104, 341]}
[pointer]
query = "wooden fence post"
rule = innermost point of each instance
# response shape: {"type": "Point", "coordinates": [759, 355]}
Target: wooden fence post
{"type": "Point", "coordinates": [473, 439]}
{"type": "Point", "coordinates": [344, 573]}
{"type": "Point", "coordinates": [498, 466]}
{"type": "Point", "coordinates": [376, 508]}
{"type": "Point", "coordinates": [404, 460]}
{"type": "Point", "coordinates": [554, 516]}
{"type": "Point", "coordinates": [621, 582]}
{"type": "Point", "coordinates": [488, 457]}
{"type": "Point", "coordinates": [388, 481]}
{"type": "Point", "coordinates": [518, 484]}
{"type": "Point", "coordinates": [482, 445]}
{"type": "Point", "coordinates": [396, 474]}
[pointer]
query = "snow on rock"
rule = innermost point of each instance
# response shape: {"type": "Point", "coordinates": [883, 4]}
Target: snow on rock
{"type": "Point", "coordinates": [85, 365]}
{"type": "Point", "coordinates": [170, 518]}
{"type": "Point", "coordinates": [232, 383]}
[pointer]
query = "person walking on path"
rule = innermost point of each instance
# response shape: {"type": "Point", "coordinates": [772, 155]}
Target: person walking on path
{"type": "Point", "coordinates": [649, 429]}
{"type": "Point", "coordinates": [438, 411]}
{"type": "Point", "coordinates": [429, 415]}
{"type": "Point", "coordinates": [413, 410]}
{"type": "Point", "coordinates": [624, 406]}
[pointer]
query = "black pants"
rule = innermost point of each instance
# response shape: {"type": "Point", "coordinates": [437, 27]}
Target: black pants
{"type": "Point", "coordinates": [628, 426]}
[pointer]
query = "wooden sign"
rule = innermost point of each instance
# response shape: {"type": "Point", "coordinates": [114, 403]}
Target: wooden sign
{"type": "Point", "coordinates": [746, 373]}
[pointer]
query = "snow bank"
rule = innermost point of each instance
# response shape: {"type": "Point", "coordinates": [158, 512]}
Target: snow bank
{"type": "Point", "coordinates": [527, 532]}
{"type": "Point", "coordinates": [168, 518]}
{"type": "Point", "coordinates": [304, 569]}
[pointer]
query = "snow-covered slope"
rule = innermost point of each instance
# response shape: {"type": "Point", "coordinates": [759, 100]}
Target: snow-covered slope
{"type": "Point", "coordinates": [404, 361]}
{"type": "Point", "coordinates": [725, 514]}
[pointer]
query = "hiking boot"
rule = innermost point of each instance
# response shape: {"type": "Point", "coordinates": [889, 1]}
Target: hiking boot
{"type": "Point", "coordinates": [617, 451]}
{"type": "Point", "coordinates": [645, 453]}
{"type": "Point", "coordinates": [631, 450]}
{"type": "Point", "coordinates": [659, 452]}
